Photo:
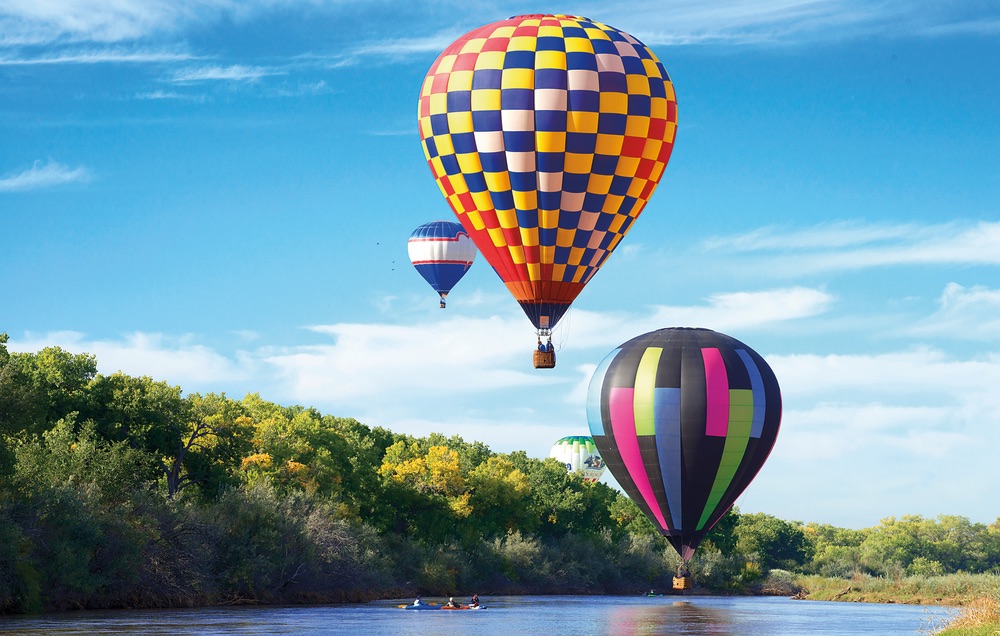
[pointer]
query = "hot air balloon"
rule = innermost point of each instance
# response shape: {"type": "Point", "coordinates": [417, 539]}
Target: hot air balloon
{"type": "Point", "coordinates": [547, 134]}
{"type": "Point", "coordinates": [579, 453]}
{"type": "Point", "coordinates": [684, 419]}
{"type": "Point", "coordinates": [442, 252]}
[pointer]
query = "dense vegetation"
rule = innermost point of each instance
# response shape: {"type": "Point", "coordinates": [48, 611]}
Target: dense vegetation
{"type": "Point", "coordinates": [121, 491]}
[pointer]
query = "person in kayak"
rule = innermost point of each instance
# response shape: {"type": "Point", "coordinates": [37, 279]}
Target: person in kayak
{"type": "Point", "coordinates": [417, 602]}
{"type": "Point", "coordinates": [475, 600]}
{"type": "Point", "coordinates": [451, 602]}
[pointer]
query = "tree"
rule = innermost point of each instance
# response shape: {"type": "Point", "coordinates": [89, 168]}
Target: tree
{"type": "Point", "coordinates": [37, 389]}
{"type": "Point", "coordinates": [723, 533]}
{"type": "Point", "coordinates": [773, 542]}
{"type": "Point", "coordinates": [196, 440]}
{"type": "Point", "coordinates": [426, 492]}
{"type": "Point", "coordinates": [500, 497]}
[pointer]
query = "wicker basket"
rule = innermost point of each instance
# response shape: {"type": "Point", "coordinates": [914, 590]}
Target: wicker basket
{"type": "Point", "coordinates": [545, 359]}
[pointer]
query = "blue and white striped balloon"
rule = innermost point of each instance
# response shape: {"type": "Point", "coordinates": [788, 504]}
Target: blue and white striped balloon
{"type": "Point", "coordinates": [442, 252]}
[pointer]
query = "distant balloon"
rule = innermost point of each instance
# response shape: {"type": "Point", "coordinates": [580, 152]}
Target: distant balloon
{"type": "Point", "coordinates": [442, 252]}
{"type": "Point", "coordinates": [684, 419]}
{"type": "Point", "coordinates": [579, 453]}
{"type": "Point", "coordinates": [547, 134]}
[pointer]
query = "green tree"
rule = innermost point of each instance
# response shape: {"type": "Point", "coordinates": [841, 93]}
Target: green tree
{"type": "Point", "coordinates": [500, 497]}
{"type": "Point", "coordinates": [299, 449]}
{"type": "Point", "coordinates": [425, 491]}
{"type": "Point", "coordinates": [893, 545]}
{"type": "Point", "coordinates": [83, 536]}
{"type": "Point", "coordinates": [36, 389]}
{"type": "Point", "coordinates": [723, 533]}
{"type": "Point", "coordinates": [196, 440]}
{"type": "Point", "coordinates": [836, 551]}
{"type": "Point", "coordinates": [774, 543]}
{"type": "Point", "coordinates": [629, 519]}
{"type": "Point", "coordinates": [72, 454]}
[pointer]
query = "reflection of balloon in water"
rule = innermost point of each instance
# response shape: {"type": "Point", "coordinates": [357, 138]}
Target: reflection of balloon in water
{"type": "Point", "coordinates": [547, 134]}
{"type": "Point", "coordinates": [579, 453]}
{"type": "Point", "coordinates": [442, 253]}
{"type": "Point", "coordinates": [684, 419]}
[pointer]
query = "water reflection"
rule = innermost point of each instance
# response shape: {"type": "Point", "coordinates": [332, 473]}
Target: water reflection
{"type": "Point", "coordinates": [665, 616]}
{"type": "Point", "coordinates": [507, 616]}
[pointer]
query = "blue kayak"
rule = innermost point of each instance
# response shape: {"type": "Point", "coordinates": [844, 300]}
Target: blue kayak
{"type": "Point", "coordinates": [422, 606]}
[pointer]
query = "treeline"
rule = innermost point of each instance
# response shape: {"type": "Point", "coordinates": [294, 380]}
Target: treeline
{"type": "Point", "coordinates": [122, 491]}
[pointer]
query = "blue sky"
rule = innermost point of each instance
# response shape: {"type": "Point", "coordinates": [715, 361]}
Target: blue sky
{"type": "Point", "coordinates": [218, 194]}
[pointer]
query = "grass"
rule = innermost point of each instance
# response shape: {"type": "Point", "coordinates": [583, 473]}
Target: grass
{"type": "Point", "coordinates": [978, 596]}
{"type": "Point", "coordinates": [981, 617]}
{"type": "Point", "coordinates": [958, 590]}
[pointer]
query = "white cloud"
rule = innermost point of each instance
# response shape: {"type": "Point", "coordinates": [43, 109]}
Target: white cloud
{"type": "Point", "coordinates": [908, 432]}
{"type": "Point", "coordinates": [176, 359]}
{"type": "Point", "coordinates": [926, 373]}
{"type": "Point", "coordinates": [169, 95]}
{"type": "Point", "coordinates": [397, 48]}
{"type": "Point", "coordinates": [721, 312]}
{"type": "Point", "coordinates": [99, 56]}
{"type": "Point", "coordinates": [846, 246]}
{"type": "Point", "coordinates": [234, 73]}
{"type": "Point", "coordinates": [444, 358]}
{"type": "Point", "coordinates": [43, 176]}
{"type": "Point", "coordinates": [41, 21]}
{"type": "Point", "coordinates": [32, 22]}
{"type": "Point", "coordinates": [899, 432]}
{"type": "Point", "coordinates": [966, 313]}
{"type": "Point", "coordinates": [745, 22]}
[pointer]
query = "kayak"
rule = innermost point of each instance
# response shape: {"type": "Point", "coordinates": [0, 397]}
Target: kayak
{"type": "Point", "coordinates": [424, 606]}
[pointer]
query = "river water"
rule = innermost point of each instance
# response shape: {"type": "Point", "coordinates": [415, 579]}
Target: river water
{"type": "Point", "coordinates": [511, 616]}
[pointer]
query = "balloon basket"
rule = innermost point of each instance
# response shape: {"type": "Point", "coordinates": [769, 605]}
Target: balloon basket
{"type": "Point", "coordinates": [545, 359]}
{"type": "Point", "coordinates": [682, 583]}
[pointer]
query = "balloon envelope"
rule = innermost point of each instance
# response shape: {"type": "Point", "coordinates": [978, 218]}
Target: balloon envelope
{"type": "Point", "coordinates": [684, 419]}
{"type": "Point", "coordinates": [579, 453]}
{"type": "Point", "coordinates": [547, 134]}
{"type": "Point", "coordinates": [441, 252]}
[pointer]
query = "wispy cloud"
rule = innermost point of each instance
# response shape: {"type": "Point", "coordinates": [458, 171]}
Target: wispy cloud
{"type": "Point", "coordinates": [232, 73]}
{"type": "Point", "coordinates": [925, 372]}
{"type": "Point", "coordinates": [169, 95]}
{"type": "Point", "coordinates": [736, 311]}
{"type": "Point", "coordinates": [43, 176]}
{"type": "Point", "coordinates": [44, 21]}
{"type": "Point", "coordinates": [846, 246]}
{"type": "Point", "coordinates": [748, 22]}
{"type": "Point", "coordinates": [98, 56]}
{"type": "Point", "coordinates": [964, 313]}
{"type": "Point", "coordinates": [403, 47]}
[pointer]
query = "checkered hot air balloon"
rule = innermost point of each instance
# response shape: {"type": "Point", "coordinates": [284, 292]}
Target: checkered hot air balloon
{"type": "Point", "coordinates": [441, 252]}
{"type": "Point", "coordinates": [547, 134]}
{"type": "Point", "coordinates": [684, 419]}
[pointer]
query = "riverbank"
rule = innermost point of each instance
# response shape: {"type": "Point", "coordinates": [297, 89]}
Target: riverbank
{"type": "Point", "coordinates": [978, 596]}
{"type": "Point", "coordinates": [957, 590]}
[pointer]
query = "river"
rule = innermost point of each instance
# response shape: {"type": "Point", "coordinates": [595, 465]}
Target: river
{"type": "Point", "coordinates": [510, 616]}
